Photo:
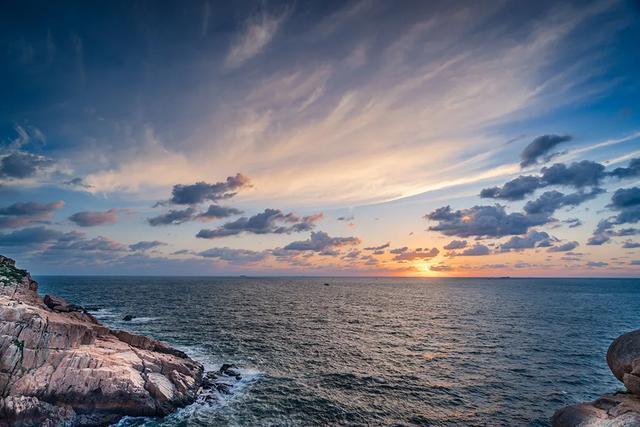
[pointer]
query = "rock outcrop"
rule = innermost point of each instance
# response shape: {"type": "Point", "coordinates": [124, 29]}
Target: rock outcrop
{"type": "Point", "coordinates": [60, 366]}
{"type": "Point", "coordinates": [619, 409]}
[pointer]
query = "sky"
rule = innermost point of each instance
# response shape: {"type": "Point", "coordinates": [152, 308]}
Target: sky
{"type": "Point", "coordinates": [368, 138]}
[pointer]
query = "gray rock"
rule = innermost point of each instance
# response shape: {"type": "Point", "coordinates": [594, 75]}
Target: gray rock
{"type": "Point", "coordinates": [623, 358]}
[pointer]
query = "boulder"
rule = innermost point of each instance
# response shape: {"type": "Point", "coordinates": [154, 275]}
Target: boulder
{"type": "Point", "coordinates": [61, 366]}
{"type": "Point", "coordinates": [623, 358]}
{"type": "Point", "coordinates": [620, 409]}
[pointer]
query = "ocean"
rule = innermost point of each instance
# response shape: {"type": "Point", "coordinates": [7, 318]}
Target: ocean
{"type": "Point", "coordinates": [376, 351]}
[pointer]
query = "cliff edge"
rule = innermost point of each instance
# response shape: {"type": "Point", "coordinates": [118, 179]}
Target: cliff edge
{"type": "Point", "coordinates": [61, 366]}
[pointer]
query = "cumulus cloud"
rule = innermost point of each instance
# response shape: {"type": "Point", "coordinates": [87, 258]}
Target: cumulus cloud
{"type": "Point", "coordinates": [476, 250]}
{"type": "Point", "coordinates": [539, 147]}
{"type": "Point", "coordinates": [179, 216]}
{"type": "Point", "coordinates": [417, 254]}
{"type": "Point", "coordinates": [22, 165]}
{"type": "Point", "coordinates": [19, 214]}
{"type": "Point", "coordinates": [627, 202]}
{"type": "Point", "coordinates": [258, 32]}
{"type": "Point", "coordinates": [516, 189]}
{"type": "Point", "coordinates": [632, 171]}
{"type": "Point", "coordinates": [577, 175]}
{"type": "Point", "coordinates": [378, 248]}
{"type": "Point", "coordinates": [77, 182]}
{"type": "Point", "coordinates": [455, 244]}
{"type": "Point", "coordinates": [573, 222]}
{"type": "Point", "coordinates": [565, 247]}
{"type": "Point", "coordinates": [146, 245]}
{"type": "Point", "coordinates": [33, 236]}
{"type": "Point", "coordinates": [483, 221]}
{"type": "Point", "coordinates": [271, 221]}
{"type": "Point", "coordinates": [321, 242]}
{"type": "Point", "coordinates": [92, 219]}
{"type": "Point", "coordinates": [234, 256]}
{"type": "Point", "coordinates": [218, 212]}
{"type": "Point", "coordinates": [631, 245]}
{"type": "Point", "coordinates": [597, 264]}
{"type": "Point", "coordinates": [173, 217]}
{"type": "Point", "coordinates": [96, 244]}
{"type": "Point", "coordinates": [201, 191]}
{"type": "Point", "coordinates": [550, 201]}
{"type": "Point", "coordinates": [533, 239]}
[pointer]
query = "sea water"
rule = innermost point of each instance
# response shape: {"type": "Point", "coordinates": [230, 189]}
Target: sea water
{"type": "Point", "coordinates": [377, 351]}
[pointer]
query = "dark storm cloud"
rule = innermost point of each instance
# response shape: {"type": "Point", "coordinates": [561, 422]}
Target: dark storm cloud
{"type": "Point", "coordinates": [271, 221]}
{"type": "Point", "coordinates": [565, 247]}
{"type": "Point", "coordinates": [21, 165]}
{"type": "Point", "coordinates": [417, 254]}
{"type": "Point", "coordinates": [533, 239]}
{"type": "Point", "coordinates": [378, 248]}
{"type": "Point", "coordinates": [550, 201]}
{"type": "Point", "coordinates": [483, 221]}
{"type": "Point", "coordinates": [218, 212]}
{"type": "Point", "coordinates": [319, 241]}
{"type": "Point", "coordinates": [19, 214]}
{"type": "Point", "coordinates": [202, 191]}
{"type": "Point", "coordinates": [146, 245]}
{"type": "Point", "coordinates": [539, 147]}
{"type": "Point", "coordinates": [92, 219]}
{"type": "Point", "coordinates": [173, 217]}
{"type": "Point", "coordinates": [455, 244]}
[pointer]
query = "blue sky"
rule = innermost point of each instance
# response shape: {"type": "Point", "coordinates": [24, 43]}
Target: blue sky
{"type": "Point", "coordinates": [318, 130]}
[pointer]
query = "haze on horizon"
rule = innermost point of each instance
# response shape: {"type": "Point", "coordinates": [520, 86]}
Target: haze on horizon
{"type": "Point", "coordinates": [321, 138]}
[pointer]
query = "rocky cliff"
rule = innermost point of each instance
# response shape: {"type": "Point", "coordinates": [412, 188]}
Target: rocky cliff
{"type": "Point", "coordinates": [613, 410]}
{"type": "Point", "coordinates": [60, 366]}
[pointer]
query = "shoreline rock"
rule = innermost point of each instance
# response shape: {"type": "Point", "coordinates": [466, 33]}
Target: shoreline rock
{"type": "Point", "coordinates": [618, 409]}
{"type": "Point", "coordinates": [61, 366]}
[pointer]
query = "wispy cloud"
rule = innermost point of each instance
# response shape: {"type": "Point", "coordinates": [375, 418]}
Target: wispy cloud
{"type": "Point", "coordinates": [257, 33]}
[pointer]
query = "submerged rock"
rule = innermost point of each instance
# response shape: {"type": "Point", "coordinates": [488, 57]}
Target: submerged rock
{"type": "Point", "coordinates": [619, 409]}
{"type": "Point", "coordinates": [128, 318]}
{"type": "Point", "coordinates": [60, 366]}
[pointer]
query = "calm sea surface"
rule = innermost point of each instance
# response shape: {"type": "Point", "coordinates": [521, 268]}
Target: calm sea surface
{"type": "Point", "coordinates": [442, 352]}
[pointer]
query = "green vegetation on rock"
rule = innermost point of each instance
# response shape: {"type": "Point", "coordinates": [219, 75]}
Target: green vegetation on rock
{"type": "Point", "coordinates": [10, 274]}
